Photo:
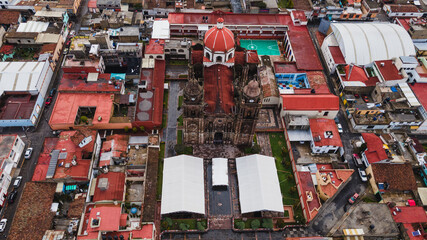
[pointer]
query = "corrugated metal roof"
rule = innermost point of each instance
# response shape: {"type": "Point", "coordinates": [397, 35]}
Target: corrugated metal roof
{"type": "Point", "coordinates": [44, 13]}
{"type": "Point", "coordinates": [47, 38]}
{"type": "Point", "coordinates": [410, 96]}
{"type": "Point", "coordinates": [33, 26]}
{"type": "Point", "coordinates": [21, 76]}
{"type": "Point", "coordinates": [219, 172]}
{"type": "Point", "coordinates": [52, 164]}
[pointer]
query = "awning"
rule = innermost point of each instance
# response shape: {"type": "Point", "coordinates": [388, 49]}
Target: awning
{"type": "Point", "coordinates": [219, 172]}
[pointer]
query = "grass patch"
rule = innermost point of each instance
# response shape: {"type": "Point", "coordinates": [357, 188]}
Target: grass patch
{"type": "Point", "coordinates": [179, 137]}
{"type": "Point", "coordinates": [160, 171]}
{"type": "Point", "coordinates": [285, 173]}
{"type": "Point", "coordinates": [181, 121]}
{"type": "Point", "coordinates": [180, 101]}
{"type": "Point", "coordinates": [286, 4]}
{"type": "Point", "coordinates": [165, 107]}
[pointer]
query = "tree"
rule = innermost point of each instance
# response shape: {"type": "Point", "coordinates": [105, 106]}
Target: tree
{"type": "Point", "coordinates": [281, 223]}
{"type": "Point", "coordinates": [255, 224]}
{"type": "Point", "coordinates": [290, 177]}
{"type": "Point", "coordinates": [169, 221]}
{"type": "Point", "coordinates": [239, 225]}
{"type": "Point", "coordinates": [164, 224]}
{"type": "Point", "coordinates": [200, 226]}
{"type": "Point", "coordinates": [142, 128]}
{"type": "Point", "coordinates": [267, 223]}
{"type": "Point", "coordinates": [183, 226]}
{"type": "Point", "coordinates": [126, 129]}
{"type": "Point", "coordinates": [134, 129]}
{"type": "Point", "coordinates": [83, 119]}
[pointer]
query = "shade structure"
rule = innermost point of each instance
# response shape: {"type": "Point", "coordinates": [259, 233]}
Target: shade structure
{"type": "Point", "coordinates": [219, 172]}
{"type": "Point", "coordinates": [259, 188]}
{"type": "Point", "coordinates": [363, 43]}
{"type": "Point", "coordinates": [183, 185]}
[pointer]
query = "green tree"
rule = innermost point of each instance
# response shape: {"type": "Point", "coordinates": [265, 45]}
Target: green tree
{"type": "Point", "coordinates": [200, 226]}
{"type": "Point", "coordinates": [255, 224]}
{"type": "Point", "coordinates": [184, 227]}
{"type": "Point", "coordinates": [267, 223]}
{"type": "Point", "coordinates": [83, 119]}
{"type": "Point", "coordinates": [169, 221]}
{"type": "Point", "coordinates": [281, 223]}
{"type": "Point", "coordinates": [126, 129]}
{"type": "Point", "coordinates": [142, 128]}
{"type": "Point", "coordinates": [134, 129]}
{"type": "Point", "coordinates": [239, 225]}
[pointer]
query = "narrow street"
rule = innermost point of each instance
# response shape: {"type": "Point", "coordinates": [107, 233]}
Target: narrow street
{"type": "Point", "coordinates": [173, 114]}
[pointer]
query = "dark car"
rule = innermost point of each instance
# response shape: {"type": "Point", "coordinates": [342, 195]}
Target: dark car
{"type": "Point", "coordinates": [12, 196]}
{"type": "Point", "coordinates": [52, 92]}
{"type": "Point", "coordinates": [356, 95]}
{"type": "Point", "coordinates": [48, 101]}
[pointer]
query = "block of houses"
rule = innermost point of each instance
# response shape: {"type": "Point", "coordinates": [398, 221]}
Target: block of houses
{"type": "Point", "coordinates": [325, 136]}
{"type": "Point", "coordinates": [402, 10]}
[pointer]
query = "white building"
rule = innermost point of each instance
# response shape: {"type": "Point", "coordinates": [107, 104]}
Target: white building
{"type": "Point", "coordinates": [23, 87]}
{"type": "Point", "coordinates": [364, 43]}
{"type": "Point", "coordinates": [11, 149]}
{"type": "Point", "coordinates": [397, 10]}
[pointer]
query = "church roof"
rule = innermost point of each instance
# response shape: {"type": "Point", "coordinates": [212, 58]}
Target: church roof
{"type": "Point", "coordinates": [219, 38]}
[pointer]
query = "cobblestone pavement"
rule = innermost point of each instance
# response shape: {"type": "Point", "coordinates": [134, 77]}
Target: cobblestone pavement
{"type": "Point", "coordinates": [173, 114]}
{"type": "Point", "coordinates": [264, 142]}
{"type": "Point", "coordinates": [211, 151]}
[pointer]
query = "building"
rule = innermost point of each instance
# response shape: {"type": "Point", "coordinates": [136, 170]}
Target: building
{"type": "Point", "coordinates": [360, 50]}
{"type": "Point", "coordinates": [183, 188]}
{"type": "Point", "coordinates": [416, 28]}
{"type": "Point", "coordinates": [420, 91]}
{"type": "Point", "coordinates": [213, 112]}
{"type": "Point", "coordinates": [67, 158]}
{"type": "Point", "coordinates": [397, 10]}
{"type": "Point", "coordinates": [325, 136]}
{"type": "Point", "coordinates": [254, 172]}
{"type": "Point", "coordinates": [11, 150]}
{"type": "Point", "coordinates": [23, 87]}
{"type": "Point", "coordinates": [374, 151]}
{"type": "Point", "coordinates": [312, 105]}
{"type": "Point", "coordinates": [412, 218]}
{"type": "Point", "coordinates": [10, 17]}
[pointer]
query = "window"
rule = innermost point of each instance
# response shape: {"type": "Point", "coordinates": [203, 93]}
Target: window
{"type": "Point", "coordinates": [219, 59]}
{"type": "Point", "coordinates": [325, 114]}
{"type": "Point", "coordinates": [151, 56]}
{"type": "Point", "coordinates": [351, 16]}
{"type": "Point", "coordinates": [181, 50]}
{"type": "Point", "coordinates": [208, 55]}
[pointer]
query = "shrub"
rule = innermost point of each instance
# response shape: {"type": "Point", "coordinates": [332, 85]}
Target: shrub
{"type": "Point", "coordinates": [290, 177]}
{"type": "Point", "coordinates": [281, 223]}
{"type": "Point", "coordinates": [255, 224]}
{"type": "Point", "coordinates": [83, 119]}
{"type": "Point", "coordinates": [165, 224]}
{"type": "Point", "coordinates": [255, 149]}
{"type": "Point", "coordinates": [285, 150]}
{"type": "Point", "coordinates": [267, 223]}
{"type": "Point", "coordinates": [134, 129]}
{"type": "Point", "coordinates": [200, 226]}
{"type": "Point", "coordinates": [293, 189]}
{"type": "Point", "coordinates": [183, 226]}
{"type": "Point", "coordinates": [239, 225]}
{"type": "Point", "coordinates": [126, 129]}
{"type": "Point", "coordinates": [142, 128]}
{"type": "Point", "coordinates": [169, 221]}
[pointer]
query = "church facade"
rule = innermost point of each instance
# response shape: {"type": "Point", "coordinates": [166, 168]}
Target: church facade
{"type": "Point", "coordinates": [222, 97]}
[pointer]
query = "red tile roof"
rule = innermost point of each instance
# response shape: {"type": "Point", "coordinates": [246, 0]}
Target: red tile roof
{"type": "Point", "coordinates": [48, 48]}
{"type": "Point", "coordinates": [404, 8]}
{"type": "Point", "coordinates": [337, 54]}
{"type": "Point", "coordinates": [252, 56]}
{"type": "Point", "coordinates": [303, 49]}
{"type": "Point", "coordinates": [123, 219]}
{"type": "Point", "coordinates": [44, 159]}
{"type": "Point", "coordinates": [9, 16]}
{"type": "Point", "coordinates": [410, 215]}
{"type": "Point", "coordinates": [404, 22]}
{"type": "Point", "coordinates": [219, 39]}
{"type": "Point", "coordinates": [155, 46]}
{"type": "Point", "coordinates": [76, 82]}
{"type": "Point", "coordinates": [116, 185]}
{"type": "Point", "coordinates": [318, 127]}
{"type": "Point", "coordinates": [92, 4]}
{"type": "Point", "coordinates": [400, 177]}
{"type": "Point", "coordinates": [110, 218]}
{"type": "Point", "coordinates": [356, 73]}
{"type": "Point", "coordinates": [307, 185]}
{"type": "Point", "coordinates": [7, 49]}
{"type": "Point", "coordinates": [389, 70]}
{"type": "Point", "coordinates": [375, 151]}
{"type": "Point", "coordinates": [218, 88]}
{"type": "Point", "coordinates": [420, 91]}
{"type": "Point", "coordinates": [197, 56]}
{"type": "Point", "coordinates": [114, 147]}
{"type": "Point", "coordinates": [310, 102]}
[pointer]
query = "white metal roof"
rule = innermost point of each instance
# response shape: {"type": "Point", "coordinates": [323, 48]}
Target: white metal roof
{"type": "Point", "coordinates": [183, 185]}
{"type": "Point", "coordinates": [259, 188]}
{"type": "Point", "coordinates": [363, 43]}
{"type": "Point", "coordinates": [219, 172]}
{"type": "Point", "coordinates": [53, 14]}
{"type": "Point", "coordinates": [160, 30]}
{"type": "Point", "coordinates": [423, 195]}
{"type": "Point", "coordinates": [299, 135]}
{"type": "Point", "coordinates": [33, 26]}
{"type": "Point", "coordinates": [410, 96]}
{"type": "Point", "coordinates": [47, 38]}
{"type": "Point", "coordinates": [21, 76]}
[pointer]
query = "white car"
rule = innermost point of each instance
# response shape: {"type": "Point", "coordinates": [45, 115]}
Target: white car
{"type": "Point", "coordinates": [339, 126]}
{"type": "Point", "coordinates": [28, 153]}
{"type": "Point", "coordinates": [362, 175]}
{"type": "Point", "coordinates": [3, 223]}
{"type": "Point", "coordinates": [17, 182]}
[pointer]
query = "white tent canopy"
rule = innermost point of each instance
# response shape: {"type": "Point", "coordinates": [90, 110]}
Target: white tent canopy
{"type": "Point", "coordinates": [259, 188]}
{"type": "Point", "coordinates": [363, 43]}
{"type": "Point", "coordinates": [160, 30]}
{"type": "Point", "coordinates": [183, 185]}
{"type": "Point", "coordinates": [219, 172]}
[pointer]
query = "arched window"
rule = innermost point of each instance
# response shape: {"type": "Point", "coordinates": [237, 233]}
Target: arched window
{"type": "Point", "coordinates": [151, 56]}
{"type": "Point", "coordinates": [219, 59]}
{"type": "Point", "coordinates": [208, 55]}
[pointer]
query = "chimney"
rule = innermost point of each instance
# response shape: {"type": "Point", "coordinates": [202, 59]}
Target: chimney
{"type": "Point", "coordinates": [382, 64]}
{"type": "Point", "coordinates": [220, 23]}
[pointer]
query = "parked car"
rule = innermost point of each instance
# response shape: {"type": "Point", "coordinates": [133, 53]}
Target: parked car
{"type": "Point", "coordinates": [28, 153]}
{"type": "Point", "coordinates": [17, 182]}
{"type": "Point", "coordinates": [353, 198]}
{"type": "Point", "coordinates": [357, 160]}
{"type": "Point", "coordinates": [339, 126]}
{"type": "Point", "coordinates": [362, 175]}
{"type": "Point", "coordinates": [3, 223]}
{"type": "Point", "coordinates": [12, 196]}
{"type": "Point", "coordinates": [48, 101]}
{"type": "Point", "coordinates": [365, 98]}
{"type": "Point", "coordinates": [52, 92]}
{"type": "Point", "coordinates": [356, 95]}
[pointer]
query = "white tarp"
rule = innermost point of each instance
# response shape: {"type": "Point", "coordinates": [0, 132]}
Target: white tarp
{"type": "Point", "coordinates": [298, 135]}
{"type": "Point", "coordinates": [259, 188]}
{"type": "Point", "coordinates": [219, 172]}
{"type": "Point", "coordinates": [33, 26]}
{"type": "Point", "coordinates": [183, 185]}
{"type": "Point", "coordinates": [160, 30]}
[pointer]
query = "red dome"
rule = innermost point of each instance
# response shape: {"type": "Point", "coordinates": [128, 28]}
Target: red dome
{"type": "Point", "coordinates": [219, 39]}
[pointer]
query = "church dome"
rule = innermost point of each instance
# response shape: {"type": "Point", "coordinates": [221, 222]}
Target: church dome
{"type": "Point", "coordinates": [219, 38]}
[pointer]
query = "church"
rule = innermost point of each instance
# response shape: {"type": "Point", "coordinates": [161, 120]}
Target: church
{"type": "Point", "coordinates": [222, 97]}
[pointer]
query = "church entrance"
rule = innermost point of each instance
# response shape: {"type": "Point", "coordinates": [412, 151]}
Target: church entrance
{"type": "Point", "coordinates": [218, 138]}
